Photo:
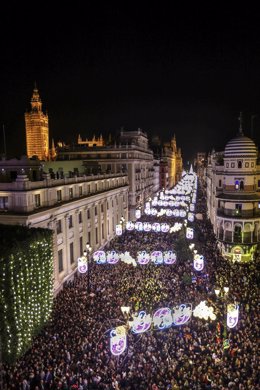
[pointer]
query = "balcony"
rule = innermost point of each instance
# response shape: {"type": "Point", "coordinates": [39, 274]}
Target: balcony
{"type": "Point", "coordinates": [241, 214]}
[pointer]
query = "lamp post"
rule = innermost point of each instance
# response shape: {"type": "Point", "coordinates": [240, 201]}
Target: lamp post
{"type": "Point", "coordinates": [87, 252]}
{"type": "Point", "coordinates": [122, 222]}
{"type": "Point", "coordinates": [222, 294]}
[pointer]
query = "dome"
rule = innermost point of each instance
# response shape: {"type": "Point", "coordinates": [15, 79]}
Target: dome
{"type": "Point", "coordinates": [240, 146]}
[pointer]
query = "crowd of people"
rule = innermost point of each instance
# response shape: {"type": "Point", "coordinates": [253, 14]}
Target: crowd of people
{"type": "Point", "coordinates": [73, 352]}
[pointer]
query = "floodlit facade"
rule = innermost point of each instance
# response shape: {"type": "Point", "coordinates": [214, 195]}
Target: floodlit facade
{"type": "Point", "coordinates": [78, 209]}
{"type": "Point", "coordinates": [233, 198]}
{"type": "Point", "coordinates": [131, 155]}
{"type": "Point", "coordinates": [37, 129]}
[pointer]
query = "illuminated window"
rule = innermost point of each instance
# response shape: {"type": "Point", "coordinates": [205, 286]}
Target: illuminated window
{"type": "Point", "coordinates": [237, 184]}
{"type": "Point", "coordinates": [238, 208]}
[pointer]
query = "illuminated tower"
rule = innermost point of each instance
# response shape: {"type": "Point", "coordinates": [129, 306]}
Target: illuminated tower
{"type": "Point", "coordinates": [37, 129]}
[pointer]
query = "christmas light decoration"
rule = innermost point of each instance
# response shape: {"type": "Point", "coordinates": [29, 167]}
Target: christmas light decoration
{"type": "Point", "coordinates": [26, 286]}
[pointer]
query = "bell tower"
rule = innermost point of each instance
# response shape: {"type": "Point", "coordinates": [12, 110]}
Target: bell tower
{"type": "Point", "coordinates": [37, 129]}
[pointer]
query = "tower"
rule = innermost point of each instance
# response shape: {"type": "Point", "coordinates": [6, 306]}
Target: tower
{"type": "Point", "coordinates": [37, 129]}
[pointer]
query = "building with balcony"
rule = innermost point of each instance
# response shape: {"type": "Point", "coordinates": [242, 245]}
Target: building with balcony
{"type": "Point", "coordinates": [131, 155]}
{"type": "Point", "coordinates": [77, 207]}
{"type": "Point", "coordinates": [233, 197]}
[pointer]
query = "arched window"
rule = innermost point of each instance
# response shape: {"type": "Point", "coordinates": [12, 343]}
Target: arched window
{"type": "Point", "coordinates": [237, 184]}
{"type": "Point", "coordinates": [239, 164]}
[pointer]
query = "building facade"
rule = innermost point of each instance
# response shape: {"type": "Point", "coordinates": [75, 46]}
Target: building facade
{"type": "Point", "coordinates": [131, 155]}
{"type": "Point", "coordinates": [78, 209]}
{"type": "Point", "coordinates": [233, 198]}
{"type": "Point", "coordinates": [37, 129]}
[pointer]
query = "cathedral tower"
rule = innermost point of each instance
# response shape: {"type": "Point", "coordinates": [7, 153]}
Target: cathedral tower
{"type": "Point", "coordinates": [37, 129]}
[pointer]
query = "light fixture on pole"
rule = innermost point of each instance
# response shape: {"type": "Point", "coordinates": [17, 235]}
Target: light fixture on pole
{"type": "Point", "coordinates": [226, 289]}
{"type": "Point", "coordinates": [217, 292]}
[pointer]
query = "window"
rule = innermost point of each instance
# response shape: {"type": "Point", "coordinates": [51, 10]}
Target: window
{"type": "Point", "coordinates": [58, 226]}
{"type": "Point", "coordinates": [71, 253]}
{"type": "Point", "coordinates": [80, 191]}
{"type": "Point", "coordinates": [70, 193]}
{"type": "Point", "coordinates": [70, 222]}
{"type": "Point", "coordinates": [96, 235]}
{"type": "Point", "coordinates": [3, 202]}
{"type": "Point", "coordinates": [59, 196]}
{"type": "Point", "coordinates": [227, 165]}
{"type": "Point", "coordinates": [88, 214]}
{"type": "Point", "coordinates": [232, 165]}
{"type": "Point", "coordinates": [37, 200]}
{"type": "Point", "coordinates": [60, 260]}
{"type": "Point", "coordinates": [108, 227]}
{"type": "Point", "coordinates": [238, 208]}
{"type": "Point", "coordinates": [237, 184]}
{"type": "Point", "coordinates": [89, 238]}
{"type": "Point", "coordinates": [96, 187]}
{"type": "Point", "coordinates": [258, 183]}
{"type": "Point", "coordinates": [102, 208]}
{"type": "Point", "coordinates": [108, 203]}
{"type": "Point", "coordinates": [102, 231]}
{"type": "Point", "coordinates": [241, 186]}
{"type": "Point", "coordinates": [80, 217]}
{"type": "Point", "coordinates": [239, 164]}
{"type": "Point", "coordinates": [247, 165]}
{"type": "Point", "coordinates": [252, 165]}
{"type": "Point", "coordinates": [81, 246]}
{"type": "Point", "coordinates": [95, 210]}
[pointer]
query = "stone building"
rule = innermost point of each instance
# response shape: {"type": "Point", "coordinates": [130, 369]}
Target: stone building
{"type": "Point", "coordinates": [78, 208]}
{"type": "Point", "coordinates": [233, 197]}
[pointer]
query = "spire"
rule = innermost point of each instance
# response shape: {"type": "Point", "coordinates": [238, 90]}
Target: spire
{"type": "Point", "coordinates": [36, 103]}
{"type": "Point", "coordinates": [240, 132]}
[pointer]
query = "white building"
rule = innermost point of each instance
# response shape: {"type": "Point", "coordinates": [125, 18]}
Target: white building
{"type": "Point", "coordinates": [233, 198]}
{"type": "Point", "coordinates": [78, 209]}
{"type": "Point", "coordinates": [132, 155]}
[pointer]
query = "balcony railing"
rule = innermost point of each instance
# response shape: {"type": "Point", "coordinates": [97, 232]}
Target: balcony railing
{"type": "Point", "coordinates": [255, 213]}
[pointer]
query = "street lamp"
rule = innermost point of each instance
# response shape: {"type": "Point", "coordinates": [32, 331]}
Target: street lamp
{"type": "Point", "coordinates": [87, 252]}
{"type": "Point", "coordinates": [122, 221]}
{"type": "Point", "coordinates": [223, 296]}
{"type": "Point", "coordinates": [217, 292]}
{"type": "Point", "coordinates": [226, 289]}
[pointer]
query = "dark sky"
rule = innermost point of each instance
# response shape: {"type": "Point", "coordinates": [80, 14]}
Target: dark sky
{"type": "Point", "coordinates": [188, 71]}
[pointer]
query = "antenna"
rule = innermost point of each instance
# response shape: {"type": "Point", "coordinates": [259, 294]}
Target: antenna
{"type": "Point", "coordinates": [4, 140]}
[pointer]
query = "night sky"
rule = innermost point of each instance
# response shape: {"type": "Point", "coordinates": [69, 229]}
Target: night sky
{"type": "Point", "coordinates": [184, 71]}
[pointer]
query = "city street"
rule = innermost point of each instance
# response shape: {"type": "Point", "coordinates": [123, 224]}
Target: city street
{"type": "Point", "coordinates": [74, 350]}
